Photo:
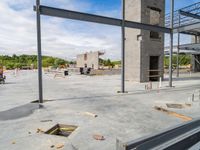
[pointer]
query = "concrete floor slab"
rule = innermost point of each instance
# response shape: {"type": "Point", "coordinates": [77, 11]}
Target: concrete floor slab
{"type": "Point", "coordinates": [123, 116]}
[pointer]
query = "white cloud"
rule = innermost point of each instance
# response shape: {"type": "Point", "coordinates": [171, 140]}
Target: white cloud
{"type": "Point", "coordinates": [59, 37]}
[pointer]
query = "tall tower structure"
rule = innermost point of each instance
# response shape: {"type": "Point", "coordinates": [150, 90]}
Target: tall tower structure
{"type": "Point", "coordinates": [144, 50]}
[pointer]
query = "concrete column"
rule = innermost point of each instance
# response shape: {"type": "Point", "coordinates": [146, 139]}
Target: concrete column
{"type": "Point", "coordinates": [195, 58]}
{"type": "Point", "coordinates": [142, 45]}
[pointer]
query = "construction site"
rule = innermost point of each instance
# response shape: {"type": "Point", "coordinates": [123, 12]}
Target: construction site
{"type": "Point", "coordinates": [138, 105]}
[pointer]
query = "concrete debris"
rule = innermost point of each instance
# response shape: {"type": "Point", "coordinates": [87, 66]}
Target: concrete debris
{"type": "Point", "coordinates": [91, 114]}
{"type": "Point", "coordinates": [59, 74]}
{"type": "Point", "coordinates": [46, 120]}
{"type": "Point", "coordinates": [73, 147]}
{"type": "Point", "coordinates": [39, 130]}
{"type": "Point", "coordinates": [59, 146]}
{"type": "Point", "coordinates": [13, 142]}
{"type": "Point", "coordinates": [98, 137]}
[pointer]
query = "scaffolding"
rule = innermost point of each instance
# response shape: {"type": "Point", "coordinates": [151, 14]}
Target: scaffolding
{"type": "Point", "coordinates": [186, 21]}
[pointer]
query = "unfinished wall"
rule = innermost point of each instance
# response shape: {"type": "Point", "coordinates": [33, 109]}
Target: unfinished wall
{"type": "Point", "coordinates": [141, 44]}
{"type": "Point", "coordinates": [90, 59]}
{"type": "Point", "coordinates": [196, 58]}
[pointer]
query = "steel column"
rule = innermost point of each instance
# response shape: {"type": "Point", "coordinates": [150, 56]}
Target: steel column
{"type": "Point", "coordinates": [196, 60]}
{"type": "Point", "coordinates": [178, 49]}
{"type": "Point", "coordinates": [123, 49]}
{"type": "Point", "coordinates": [39, 53]}
{"type": "Point", "coordinates": [171, 43]}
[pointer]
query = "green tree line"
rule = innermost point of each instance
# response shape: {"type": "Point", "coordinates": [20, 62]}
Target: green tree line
{"type": "Point", "coordinates": [14, 61]}
{"type": "Point", "coordinates": [183, 61]}
{"type": "Point", "coordinates": [108, 62]}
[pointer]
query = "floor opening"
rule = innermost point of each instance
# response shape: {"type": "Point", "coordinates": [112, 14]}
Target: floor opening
{"type": "Point", "coordinates": [62, 130]}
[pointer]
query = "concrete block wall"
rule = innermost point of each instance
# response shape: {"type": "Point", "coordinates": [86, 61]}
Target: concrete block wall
{"type": "Point", "coordinates": [90, 59]}
{"type": "Point", "coordinates": [139, 46]}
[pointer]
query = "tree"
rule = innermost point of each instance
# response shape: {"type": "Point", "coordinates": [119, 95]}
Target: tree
{"type": "Point", "coordinates": [60, 62]}
{"type": "Point", "coordinates": [12, 62]}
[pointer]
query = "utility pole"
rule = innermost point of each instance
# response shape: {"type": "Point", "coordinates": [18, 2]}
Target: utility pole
{"type": "Point", "coordinates": [178, 47]}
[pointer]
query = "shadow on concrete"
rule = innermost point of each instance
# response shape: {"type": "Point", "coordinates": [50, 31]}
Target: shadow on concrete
{"type": "Point", "coordinates": [18, 112]}
{"type": "Point", "coordinates": [93, 97]}
{"type": "Point", "coordinates": [9, 83]}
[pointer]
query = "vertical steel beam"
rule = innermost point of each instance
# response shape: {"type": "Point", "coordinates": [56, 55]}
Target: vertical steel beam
{"type": "Point", "coordinates": [171, 43]}
{"type": "Point", "coordinates": [178, 48]}
{"type": "Point", "coordinates": [123, 49]}
{"type": "Point", "coordinates": [40, 89]}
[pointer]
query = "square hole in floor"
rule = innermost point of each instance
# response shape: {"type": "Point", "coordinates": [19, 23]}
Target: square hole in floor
{"type": "Point", "coordinates": [61, 130]}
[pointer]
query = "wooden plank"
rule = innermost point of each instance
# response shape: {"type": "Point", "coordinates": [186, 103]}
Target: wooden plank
{"type": "Point", "coordinates": [172, 113]}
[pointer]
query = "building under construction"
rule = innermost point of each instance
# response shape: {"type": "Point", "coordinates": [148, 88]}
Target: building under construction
{"type": "Point", "coordinates": [89, 60]}
{"type": "Point", "coordinates": [111, 112]}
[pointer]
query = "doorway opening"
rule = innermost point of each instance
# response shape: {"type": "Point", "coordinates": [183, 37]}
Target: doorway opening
{"type": "Point", "coordinates": [154, 68]}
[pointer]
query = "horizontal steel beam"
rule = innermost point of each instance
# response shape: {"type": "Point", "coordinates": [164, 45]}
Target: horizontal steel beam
{"type": "Point", "coordinates": [195, 16]}
{"type": "Point", "coordinates": [187, 28]}
{"type": "Point", "coordinates": [179, 137]}
{"type": "Point", "coordinates": [67, 14]}
{"type": "Point", "coordinates": [192, 46]}
{"type": "Point", "coordinates": [191, 33]}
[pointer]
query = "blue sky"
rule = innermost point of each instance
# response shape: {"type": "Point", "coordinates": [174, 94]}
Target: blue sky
{"type": "Point", "coordinates": [63, 38]}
